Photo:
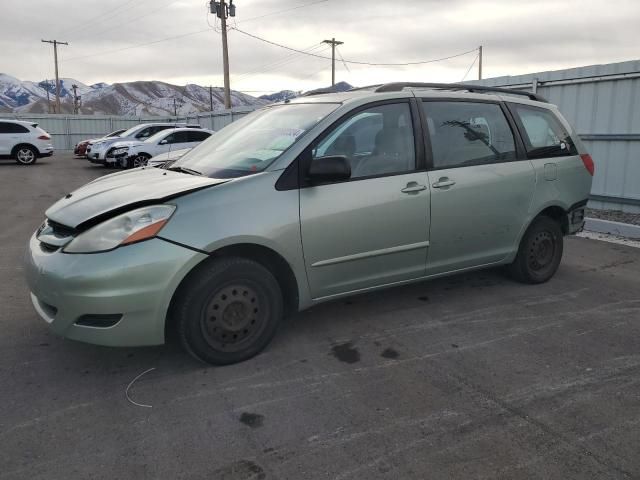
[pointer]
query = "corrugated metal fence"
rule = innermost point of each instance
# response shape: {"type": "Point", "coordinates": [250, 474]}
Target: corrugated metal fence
{"type": "Point", "coordinates": [67, 130]}
{"type": "Point", "coordinates": [602, 102]}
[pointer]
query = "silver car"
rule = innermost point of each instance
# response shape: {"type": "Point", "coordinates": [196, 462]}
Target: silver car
{"type": "Point", "coordinates": [306, 201]}
{"type": "Point", "coordinates": [101, 148]}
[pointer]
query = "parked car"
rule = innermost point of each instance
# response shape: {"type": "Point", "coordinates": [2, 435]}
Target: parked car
{"type": "Point", "coordinates": [133, 154]}
{"type": "Point", "coordinates": [23, 141]}
{"type": "Point", "coordinates": [140, 132]}
{"type": "Point", "coordinates": [80, 148]}
{"type": "Point", "coordinates": [306, 201]}
{"type": "Point", "coordinates": [166, 159]}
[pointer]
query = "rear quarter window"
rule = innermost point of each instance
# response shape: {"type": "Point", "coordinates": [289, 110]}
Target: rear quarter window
{"type": "Point", "coordinates": [542, 132]}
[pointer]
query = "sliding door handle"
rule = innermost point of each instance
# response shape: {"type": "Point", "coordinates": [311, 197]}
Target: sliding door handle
{"type": "Point", "coordinates": [413, 187]}
{"type": "Point", "coordinates": [443, 183]}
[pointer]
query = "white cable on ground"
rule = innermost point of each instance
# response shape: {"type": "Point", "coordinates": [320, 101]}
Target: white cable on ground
{"type": "Point", "coordinates": [126, 392]}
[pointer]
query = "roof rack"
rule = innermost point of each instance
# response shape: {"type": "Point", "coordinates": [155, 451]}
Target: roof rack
{"type": "Point", "coordinates": [398, 86]}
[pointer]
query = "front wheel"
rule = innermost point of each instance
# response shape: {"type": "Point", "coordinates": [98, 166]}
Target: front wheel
{"type": "Point", "coordinates": [228, 310]}
{"type": "Point", "coordinates": [539, 253]}
{"type": "Point", "coordinates": [139, 160]}
{"type": "Point", "coordinates": [26, 155]}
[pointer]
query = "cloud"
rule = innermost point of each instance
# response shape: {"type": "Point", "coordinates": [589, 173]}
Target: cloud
{"type": "Point", "coordinates": [517, 36]}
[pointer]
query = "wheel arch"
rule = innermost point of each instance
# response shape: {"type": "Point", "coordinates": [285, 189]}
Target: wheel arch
{"type": "Point", "coordinates": [557, 213]}
{"type": "Point", "coordinates": [15, 149]}
{"type": "Point", "coordinates": [261, 254]}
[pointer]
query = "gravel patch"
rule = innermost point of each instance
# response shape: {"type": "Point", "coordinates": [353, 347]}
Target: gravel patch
{"type": "Point", "coordinates": [614, 216]}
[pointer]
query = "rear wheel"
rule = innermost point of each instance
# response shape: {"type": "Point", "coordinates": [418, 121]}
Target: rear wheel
{"type": "Point", "coordinates": [228, 311]}
{"type": "Point", "coordinates": [539, 253]}
{"type": "Point", "coordinates": [26, 155]}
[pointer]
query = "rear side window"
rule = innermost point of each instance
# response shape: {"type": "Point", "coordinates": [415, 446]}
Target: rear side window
{"type": "Point", "coordinates": [468, 133]}
{"type": "Point", "coordinates": [197, 136]}
{"type": "Point", "coordinates": [8, 127]}
{"type": "Point", "coordinates": [543, 134]}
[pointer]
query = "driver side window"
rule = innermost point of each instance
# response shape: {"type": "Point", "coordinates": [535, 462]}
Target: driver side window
{"type": "Point", "coordinates": [376, 141]}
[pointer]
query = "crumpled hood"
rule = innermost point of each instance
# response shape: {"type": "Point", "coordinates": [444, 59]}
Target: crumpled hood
{"type": "Point", "coordinates": [127, 143]}
{"type": "Point", "coordinates": [118, 192]}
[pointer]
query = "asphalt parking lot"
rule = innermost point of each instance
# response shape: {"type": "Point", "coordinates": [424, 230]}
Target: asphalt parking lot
{"type": "Point", "coordinates": [472, 376]}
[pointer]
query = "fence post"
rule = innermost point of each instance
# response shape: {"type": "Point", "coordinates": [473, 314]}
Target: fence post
{"type": "Point", "coordinates": [68, 132]}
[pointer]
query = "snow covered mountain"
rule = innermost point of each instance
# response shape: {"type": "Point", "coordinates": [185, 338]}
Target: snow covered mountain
{"type": "Point", "coordinates": [287, 94]}
{"type": "Point", "coordinates": [130, 98]}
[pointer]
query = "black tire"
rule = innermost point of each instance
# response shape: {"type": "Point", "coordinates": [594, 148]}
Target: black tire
{"type": "Point", "coordinates": [228, 310]}
{"type": "Point", "coordinates": [25, 155]}
{"type": "Point", "coordinates": [140, 160]}
{"type": "Point", "coordinates": [540, 252]}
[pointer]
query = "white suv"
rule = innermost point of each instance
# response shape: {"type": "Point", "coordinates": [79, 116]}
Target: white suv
{"type": "Point", "coordinates": [24, 141]}
{"type": "Point", "coordinates": [101, 149]}
{"type": "Point", "coordinates": [132, 154]}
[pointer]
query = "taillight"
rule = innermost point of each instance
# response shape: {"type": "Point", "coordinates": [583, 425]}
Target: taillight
{"type": "Point", "coordinates": [588, 163]}
{"type": "Point", "coordinates": [44, 137]}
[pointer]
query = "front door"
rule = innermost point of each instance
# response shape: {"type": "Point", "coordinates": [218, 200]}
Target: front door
{"type": "Point", "coordinates": [481, 188]}
{"type": "Point", "coordinates": [372, 229]}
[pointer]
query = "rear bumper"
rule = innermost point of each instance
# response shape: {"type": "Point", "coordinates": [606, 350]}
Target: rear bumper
{"type": "Point", "coordinates": [116, 298]}
{"type": "Point", "coordinates": [46, 150]}
{"type": "Point", "coordinates": [576, 217]}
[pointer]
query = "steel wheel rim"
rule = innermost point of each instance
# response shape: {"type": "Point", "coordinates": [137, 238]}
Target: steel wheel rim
{"type": "Point", "coordinates": [25, 155]}
{"type": "Point", "coordinates": [233, 318]}
{"type": "Point", "coordinates": [542, 251]}
{"type": "Point", "coordinates": [139, 161]}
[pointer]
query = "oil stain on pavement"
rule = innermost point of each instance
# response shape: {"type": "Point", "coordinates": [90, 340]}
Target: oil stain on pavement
{"type": "Point", "coordinates": [345, 352]}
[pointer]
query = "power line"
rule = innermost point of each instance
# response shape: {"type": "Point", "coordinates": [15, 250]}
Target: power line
{"type": "Point", "coordinates": [106, 15]}
{"type": "Point", "coordinates": [292, 57]}
{"type": "Point", "coordinates": [355, 62]}
{"type": "Point", "coordinates": [106, 52]}
{"type": "Point", "coordinates": [342, 59]}
{"type": "Point", "coordinates": [470, 67]}
{"type": "Point", "coordinates": [127, 21]}
{"type": "Point", "coordinates": [282, 11]}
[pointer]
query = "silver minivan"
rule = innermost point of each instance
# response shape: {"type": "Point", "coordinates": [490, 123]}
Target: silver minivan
{"type": "Point", "coordinates": [306, 201]}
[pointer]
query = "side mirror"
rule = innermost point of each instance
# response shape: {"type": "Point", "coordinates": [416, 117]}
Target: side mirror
{"type": "Point", "coordinates": [329, 169]}
{"type": "Point", "coordinates": [163, 142]}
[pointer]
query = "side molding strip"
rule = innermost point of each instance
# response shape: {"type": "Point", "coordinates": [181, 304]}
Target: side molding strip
{"type": "Point", "coordinates": [372, 253]}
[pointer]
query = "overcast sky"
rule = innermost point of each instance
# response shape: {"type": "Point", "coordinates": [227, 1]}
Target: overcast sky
{"type": "Point", "coordinates": [518, 37]}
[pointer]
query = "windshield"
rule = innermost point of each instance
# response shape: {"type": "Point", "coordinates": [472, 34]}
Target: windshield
{"type": "Point", "coordinates": [131, 131]}
{"type": "Point", "coordinates": [253, 143]}
{"type": "Point", "coordinates": [114, 134]}
{"type": "Point", "coordinates": [158, 136]}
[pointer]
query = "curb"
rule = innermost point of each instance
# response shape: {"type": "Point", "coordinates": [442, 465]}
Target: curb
{"type": "Point", "coordinates": [614, 228]}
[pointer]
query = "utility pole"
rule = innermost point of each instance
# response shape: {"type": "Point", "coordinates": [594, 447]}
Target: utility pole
{"type": "Point", "coordinates": [175, 108]}
{"type": "Point", "coordinates": [224, 11]}
{"type": "Point", "coordinates": [76, 99]}
{"type": "Point", "coordinates": [480, 62]}
{"type": "Point", "coordinates": [55, 59]}
{"type": "Point", "coordinates": [211, 97]}
{"type": "Point", "coordinates": [46, 82]}
{"type": "Point", "coordinates": [334, 43]}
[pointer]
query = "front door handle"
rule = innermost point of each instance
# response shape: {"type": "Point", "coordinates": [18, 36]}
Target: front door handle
{"type": "Point", "coordinates": [443, 182]}
{"type": "Point", "coordinates": [413, 187]}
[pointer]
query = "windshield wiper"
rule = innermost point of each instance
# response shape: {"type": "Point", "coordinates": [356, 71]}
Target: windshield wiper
{"type": "Point", "coordinates": [185, 170]}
